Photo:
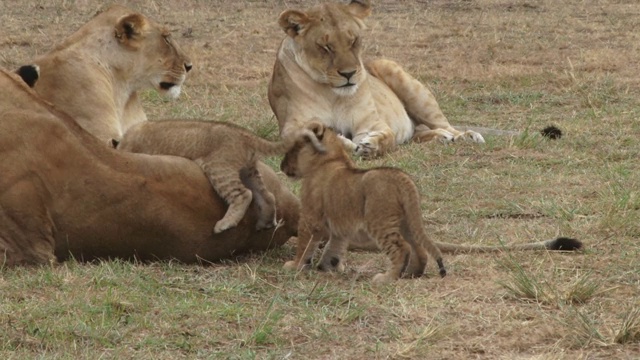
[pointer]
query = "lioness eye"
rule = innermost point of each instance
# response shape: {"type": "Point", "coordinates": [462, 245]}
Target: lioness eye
{"type": "Point", "coordinates": [355, 42]}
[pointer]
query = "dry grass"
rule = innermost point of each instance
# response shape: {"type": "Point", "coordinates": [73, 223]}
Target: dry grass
{"type": "Point", "coordinates": [505, 64]}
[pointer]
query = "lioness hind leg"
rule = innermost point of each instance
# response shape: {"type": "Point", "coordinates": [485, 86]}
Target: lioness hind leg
{"type": "Point", "coordinates": [418, 100]}
{"type": "Point", "coordinates": [264, 199]}
{"type": "Point", "coordinates": [226, 182]}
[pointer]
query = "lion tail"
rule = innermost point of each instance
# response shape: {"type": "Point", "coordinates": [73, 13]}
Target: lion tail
{"type": "Point", "coordinates": [558, 244]}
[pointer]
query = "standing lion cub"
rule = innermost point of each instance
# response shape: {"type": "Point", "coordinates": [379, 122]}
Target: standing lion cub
{"type": "Point", "coordinates": [228, 155]}
{"type": "Point", "coordinates": [340, 202]}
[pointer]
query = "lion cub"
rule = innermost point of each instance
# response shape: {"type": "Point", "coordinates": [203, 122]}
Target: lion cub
{"type": "Point", "coordinates": [228, 155]}
{"type": "Point", "coordinates": [340, 201]}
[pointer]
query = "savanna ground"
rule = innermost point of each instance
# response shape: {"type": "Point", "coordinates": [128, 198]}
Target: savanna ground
{"type": "Point", "coordinates": [517, 65]}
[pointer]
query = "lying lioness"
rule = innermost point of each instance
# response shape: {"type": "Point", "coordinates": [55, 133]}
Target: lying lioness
{"type": "Point", "coordinates": [65, 193]}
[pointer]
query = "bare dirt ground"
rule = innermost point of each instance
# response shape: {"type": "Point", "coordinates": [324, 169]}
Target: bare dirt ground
{"type": "Point", "coordinates": [517, 65]}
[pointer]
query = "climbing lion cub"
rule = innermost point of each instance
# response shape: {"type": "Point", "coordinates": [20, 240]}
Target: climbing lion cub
{"type": "Point", "coordinates": [226, 153]}
{"type": "Point", "coordinates": [340, 202]}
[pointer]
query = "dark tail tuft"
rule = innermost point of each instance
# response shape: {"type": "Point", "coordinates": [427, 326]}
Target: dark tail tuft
{"type": "Point", "coordinates": [551, 132]}
{"type": "Point", "coordinates": [29, 73]}
{"type": "Point", "coordinates": [443, 271]}
{"type": "Point", "coordinates": [564, 244]}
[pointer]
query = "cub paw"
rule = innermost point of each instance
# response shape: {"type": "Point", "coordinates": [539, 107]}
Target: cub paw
{"type": "Point", "coordinates": [382, 278]}
{"type": "Point", "coordinates": [332, 264]}
{"type": "Point", "coordinates": [223, 225]}
{"type": "Point", "coordinates": [266, 224]}
{"type": "Point", "coordinates": [291, 265]}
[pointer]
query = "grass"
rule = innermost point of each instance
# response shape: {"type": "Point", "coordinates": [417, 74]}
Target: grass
{"type": "Point", "coordinates": [490, 63]}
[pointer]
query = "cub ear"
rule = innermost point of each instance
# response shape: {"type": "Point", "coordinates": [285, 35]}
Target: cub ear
{"type": "Point", "coordinates": [317, 128]}
{"type": "Point", "coordinates": [129, 29]}
{"type": "Point", "coordinates": [29, 74]}
{"type": "Point", "coordinates": [293, 22]}
{"type": "Point", "coordinates": [360, 8]}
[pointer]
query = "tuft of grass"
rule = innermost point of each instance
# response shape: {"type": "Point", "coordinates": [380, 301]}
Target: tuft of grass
{"type": "Point", "coordinates": [582, 290]}
{"type": "Point", "coordinates": [629, 331]}
{"type": "Point", "coordinates": [522, 284]}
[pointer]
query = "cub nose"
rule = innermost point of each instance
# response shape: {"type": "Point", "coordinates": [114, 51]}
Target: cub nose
{"type": "Point", "coordinates": [188, 66]}
{"type": "Point", "coordinates": [347, 74]}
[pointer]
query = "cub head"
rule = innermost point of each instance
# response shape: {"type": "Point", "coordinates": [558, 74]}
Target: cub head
{"type": "Point", "coordinates": [327, 41]}
{"type": "Point", "coordinates": [152, 51]}
{"type": "Point", "coordinates": [316, 145]}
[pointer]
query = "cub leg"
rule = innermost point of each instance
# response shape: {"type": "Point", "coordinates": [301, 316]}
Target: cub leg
{"type": "Point", "coordinates": [333, 255]}
{"type": "Point", "coordinates": [227, 183]}
{"type": "Point", "coordinates": [398, 251]}
{"type": "Point", "coordinates": [310, 235]}
{"type": "Point", "coordinates": [419, 102]}
{"type": "Point", "coordinates": [264, 199]}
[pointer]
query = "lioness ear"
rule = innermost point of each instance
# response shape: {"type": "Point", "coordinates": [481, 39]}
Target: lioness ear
{"type": "Point", "coordinates": [360, 8]}
{"type": "Point", "coordinates": [129, 29]}
{"type": "Point", "coordinates": [293, 22]}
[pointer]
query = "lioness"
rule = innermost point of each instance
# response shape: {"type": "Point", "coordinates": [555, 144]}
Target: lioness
{"type": "Point", "coordinates": [95, 74]}
{"type": "Point", "coordinates": [319, 73]}
{"type": "Point", "coordinates": [228, 154]}
{"type": "Point", "coordinates": [64, 193]}
{"type": "Point", "coordinates": [382, 203]}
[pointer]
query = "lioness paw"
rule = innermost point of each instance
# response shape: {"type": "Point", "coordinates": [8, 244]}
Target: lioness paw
{"type": "Point", "coordinates": [367, 147]}
{"type": "Point", "coordinates": [445, 137]}
{"type": "Point", "coordinates": [470, 135]}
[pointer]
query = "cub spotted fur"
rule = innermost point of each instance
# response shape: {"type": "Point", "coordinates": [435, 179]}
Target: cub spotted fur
{"type": "Point", "coordinates": [319, 73]}
{"type": "Point", "coordinates": [340, 201]}
{"type": "Point", "coordinates": [228, 155]}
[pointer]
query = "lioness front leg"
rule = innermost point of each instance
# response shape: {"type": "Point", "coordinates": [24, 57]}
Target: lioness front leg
{"type": "Point", "coordinates": [419, 103]}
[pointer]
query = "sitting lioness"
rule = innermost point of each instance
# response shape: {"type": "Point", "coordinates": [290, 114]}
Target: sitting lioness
{"type": "Point", "coordinates": [63, 194]}
{"type": "Point", "coordinates": [95, 74]}
{"type": "Point", "coordinates": [319, 73]}
{"type": "Point", "coordinates": [340, 201]}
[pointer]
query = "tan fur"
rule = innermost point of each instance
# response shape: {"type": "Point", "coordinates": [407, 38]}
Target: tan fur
{"type": "Point", "coordinates": [319, 73]}
{"type": "Point", "coordinates": [64, 193]}
{"type": "Point", "coordinates": [95, 74]}
{"type": "Point", "coordinates": [340, 201]}
{"type": "Point", "coordinates": [228, 154]}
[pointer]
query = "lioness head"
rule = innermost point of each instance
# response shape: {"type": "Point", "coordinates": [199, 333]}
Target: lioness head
{"type": "Point", "coordinates": [327, 43]}
{"type": "Point", "coordinates": [151, 45]}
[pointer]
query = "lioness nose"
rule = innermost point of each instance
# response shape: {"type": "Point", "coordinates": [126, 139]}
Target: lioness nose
{"type": "Point", "coordinates": [347, 75]}
{"type": "Point", "coordinates": [188, 66]}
